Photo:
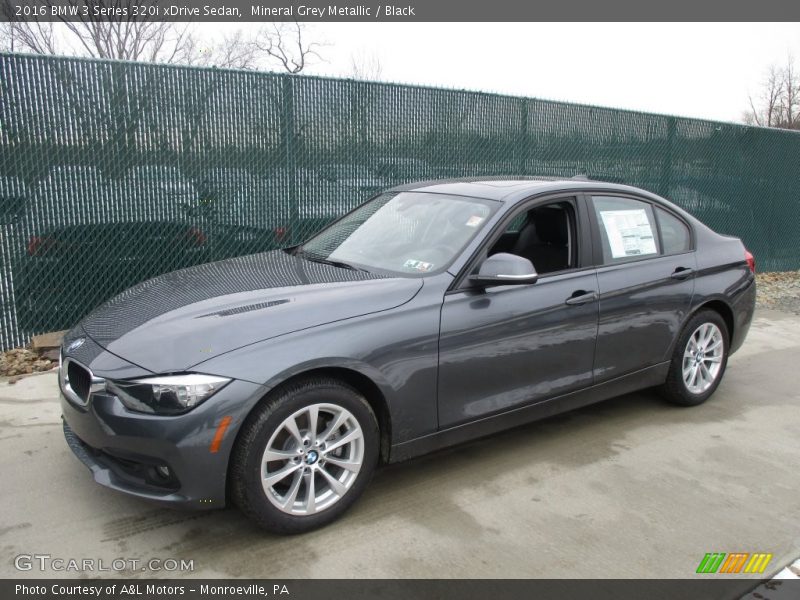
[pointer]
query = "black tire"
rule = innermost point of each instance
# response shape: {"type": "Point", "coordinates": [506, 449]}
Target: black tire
{"type": "Point", "coordinates": [675, 389]}
{"type": "Point", "coordinates": [245, 473]}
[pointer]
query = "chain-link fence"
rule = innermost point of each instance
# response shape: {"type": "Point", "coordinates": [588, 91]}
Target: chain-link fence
{"type": "Point", "coordinates": [114, 172]}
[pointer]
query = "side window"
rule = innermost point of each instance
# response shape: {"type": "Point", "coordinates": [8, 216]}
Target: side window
{"type": "Point", "coordinates": [627, 228]}
{"type": "Point", "coordinates": [545, 235]}
{"type": "Point", "coordinates": [675, 235]}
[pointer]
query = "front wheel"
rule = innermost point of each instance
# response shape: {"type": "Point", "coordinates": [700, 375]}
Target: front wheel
{"type": "Point", "coordinates": [304, 456]}
{"type": "Point", "coordinates": [699, 360]}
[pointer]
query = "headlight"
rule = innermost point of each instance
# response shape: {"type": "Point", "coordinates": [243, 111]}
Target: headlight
{"type": "Point", "coordinates": [168, 395]}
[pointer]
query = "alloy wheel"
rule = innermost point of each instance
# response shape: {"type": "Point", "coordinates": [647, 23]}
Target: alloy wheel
{"type": "Point", "coordinates": [702, 358]}
{"type": "Point", "coordinates": [312, 459]}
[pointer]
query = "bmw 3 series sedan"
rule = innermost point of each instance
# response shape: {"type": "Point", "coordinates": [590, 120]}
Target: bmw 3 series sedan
{"type": "Point", "coordinates": [433, 314]}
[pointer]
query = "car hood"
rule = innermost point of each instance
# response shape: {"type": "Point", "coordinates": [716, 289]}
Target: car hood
{"type": "Point", "coordinates": [177, 320]}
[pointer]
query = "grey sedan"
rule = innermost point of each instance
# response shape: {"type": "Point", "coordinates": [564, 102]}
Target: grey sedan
{"type": "Point", "coordinates": [433, 314]}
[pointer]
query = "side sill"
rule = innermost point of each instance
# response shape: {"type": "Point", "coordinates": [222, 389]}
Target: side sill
{"type": "Point", "coordinates": [638, 380]}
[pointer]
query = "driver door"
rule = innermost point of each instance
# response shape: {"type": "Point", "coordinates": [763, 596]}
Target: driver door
{"type": "Point", "coordinates": [508, 346]}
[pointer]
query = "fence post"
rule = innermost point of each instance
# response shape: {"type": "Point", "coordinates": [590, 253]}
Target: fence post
{"type": "Point", "coordinates": [290, 163]}
{"type": "Point", "coordinates": [523, 142]}
{"type": "Point", "coordinates": [666, 167]}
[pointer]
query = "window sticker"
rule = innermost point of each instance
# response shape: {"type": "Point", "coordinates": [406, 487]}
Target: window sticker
{"type": "Point", "coordinates": [418, 265]}
{"type": "Point", "coordinates": [629, 232]}
{"type": "Point", "coordinates": [474, 221]}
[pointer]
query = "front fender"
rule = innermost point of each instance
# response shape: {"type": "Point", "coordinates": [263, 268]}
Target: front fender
{"type": "Point", "coordinates": [396, 349]}
{"type": "Point", "coordinates": [335, 362]}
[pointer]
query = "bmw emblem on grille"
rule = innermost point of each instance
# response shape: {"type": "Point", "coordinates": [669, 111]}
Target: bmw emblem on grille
{"type": "Point", "coordinates": [75, 344]}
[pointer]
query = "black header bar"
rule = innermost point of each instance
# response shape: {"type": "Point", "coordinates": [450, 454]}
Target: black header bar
{"type": "Point", "coordinates": [705, 587]}
{"type": "Point", "coordinates": [400, 10]}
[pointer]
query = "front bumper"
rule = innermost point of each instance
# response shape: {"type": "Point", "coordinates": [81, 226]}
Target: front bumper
{"type": "Point", "coordinates": [123, 449]}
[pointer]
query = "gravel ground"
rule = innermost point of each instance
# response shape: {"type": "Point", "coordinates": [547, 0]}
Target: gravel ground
{"type": "Point", "coordinates": [779, 291]}
{"type": "Point", "coordinates": [24, 361]}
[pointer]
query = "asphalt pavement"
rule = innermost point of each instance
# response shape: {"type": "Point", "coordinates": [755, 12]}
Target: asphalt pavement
{"type": "Point", "coordinates": [632, 487]}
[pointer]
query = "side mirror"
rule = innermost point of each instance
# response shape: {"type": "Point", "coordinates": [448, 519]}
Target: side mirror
{"type": "Point", "coordinates": [505, 269]}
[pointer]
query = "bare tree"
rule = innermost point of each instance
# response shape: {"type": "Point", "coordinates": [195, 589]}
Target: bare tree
{"type": "Point", "coordinates": [6, 40]}
{"type": "Point", "coordinates": [145, 40]}
{"type": "Point", "coordinates": [281, 44]}
{"type": "Point", "coordinates": [791, 95]}
{"type": "Point", "coordinates": [284, 44]}
{"type": "Point", "coordinates": [233, 51]}
{"type": "Point", "coordinates": [778, 102]}
{"type": "Point", "coordinates": [767, 112]}
{"type": "Point", "coordinates": [124, 39]}
{"type": "Point", "coordinates": [366, 66]}
{"type": "Point", "coordinates": [35, 37]}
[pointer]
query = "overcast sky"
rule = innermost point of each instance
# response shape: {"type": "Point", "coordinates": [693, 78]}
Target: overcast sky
{"type": "Point", "coordinates": [700, 70]}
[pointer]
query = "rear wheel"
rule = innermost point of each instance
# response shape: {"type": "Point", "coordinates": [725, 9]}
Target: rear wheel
{"type": "Point", "coordinates": [699, 360]}
{"type": "Point", "coordinates": [305, 456]}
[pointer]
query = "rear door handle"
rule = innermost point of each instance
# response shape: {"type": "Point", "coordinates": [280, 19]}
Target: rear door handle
{"type": "Point", "coordinates": [682, 273]}
{"type": "Point", "coordinates": [581, 297]}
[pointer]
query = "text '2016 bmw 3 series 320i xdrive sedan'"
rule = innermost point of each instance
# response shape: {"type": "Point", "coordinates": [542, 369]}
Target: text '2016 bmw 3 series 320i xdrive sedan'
{"type": "Point", "coordinates": [432, 314]}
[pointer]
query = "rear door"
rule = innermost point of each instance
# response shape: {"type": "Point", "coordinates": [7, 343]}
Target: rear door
{"type": "Point", "coordinates": [645, 275]}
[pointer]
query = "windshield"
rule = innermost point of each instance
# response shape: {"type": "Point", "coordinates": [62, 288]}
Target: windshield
{"type": "Point", "coordinates": [409, 232]}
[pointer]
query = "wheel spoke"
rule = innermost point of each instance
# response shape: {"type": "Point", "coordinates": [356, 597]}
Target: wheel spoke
{"type": "Point", "coordinates": [291, 425]}
{"type": "Point", "coordinates": [271, 454]}
{"type": "Point", "coordinates": [687, 372]}
{"type": "Point", "coordinates": [713, 359]}
{"type": "Point", "coordinates": [350, 436]}
{"type": "Point", "coordinates": [273, 478]}
{"type": "Point", "coordinates": [337, 486]}
{"type": "Point", "coordinates": [311, 493]}
{"type": "Point", "coordinates": [334, 426]}
{"type": "Point", "coordinates": [695, 373]}
{"type": "Point", "coordinates": [701, 379]}
{"type": "Point", "coordinates": [291, 495]}
{"type": "Point", "coordinates": [350, 465]}
{"type": "Point", "coordinates": [313, 417]}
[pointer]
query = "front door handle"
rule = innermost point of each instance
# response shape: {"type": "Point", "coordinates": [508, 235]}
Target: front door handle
{"type": "Point", "coordinates": [581, 297]}
{"type": "Point", "coordinates": [682, 273]}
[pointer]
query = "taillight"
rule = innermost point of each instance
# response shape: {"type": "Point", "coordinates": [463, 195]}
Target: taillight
{"type": "Point", "coordinates": [751, 260]}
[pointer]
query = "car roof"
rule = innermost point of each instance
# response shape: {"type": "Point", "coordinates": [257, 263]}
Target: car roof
{"type": "Point", "coordinates": [513, 189]}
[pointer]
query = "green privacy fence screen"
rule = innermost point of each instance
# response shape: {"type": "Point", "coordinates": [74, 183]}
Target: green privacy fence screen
{"type": "Point", "coordinates": [113, 172]}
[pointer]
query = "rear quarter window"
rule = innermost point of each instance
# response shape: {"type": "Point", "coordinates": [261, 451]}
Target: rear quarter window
{"type": "Point", "coordinates": [675, 235]}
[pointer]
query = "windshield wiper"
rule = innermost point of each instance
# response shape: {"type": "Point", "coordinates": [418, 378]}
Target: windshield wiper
{"type": "Point", "coordinates": [326, 261]}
